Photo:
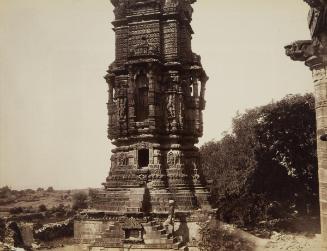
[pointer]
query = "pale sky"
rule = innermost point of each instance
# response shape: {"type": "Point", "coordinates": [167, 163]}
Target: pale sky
{"type": "Point", "coordinates": [54, 54]}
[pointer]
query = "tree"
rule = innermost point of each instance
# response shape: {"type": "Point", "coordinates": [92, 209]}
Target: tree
{"type": "Point", "coordinates": [270, 155]}
{"type": "Point", "coordinates": [42, 208]}
{"type": "Point", "coordinates": [80, 200]}
{"type": "Point", "coordinates": [50, 189]}
{"type": "Point", "coordinates": [286, 133]}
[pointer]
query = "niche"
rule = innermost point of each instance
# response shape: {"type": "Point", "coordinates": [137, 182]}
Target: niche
{"type": "Point", "coordinates": [143, 158]}
{"type": "Point", "coordinates": [141, 97]}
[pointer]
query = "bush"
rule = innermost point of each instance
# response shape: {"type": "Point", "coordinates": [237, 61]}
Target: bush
{"type": "Point", "coordinates": [50, 189]}
{"type": "Point", "coordinates": [42, 208]}
{"type": "Point", "coordinates": [80, 201]}
{"type": "Point", "coordinates": [16, 210]}
{"type": "Point", "coordinates": [215, 237]}
{"type": "Point", "coordinates": [2, 229]}
{"type": "Point", "coordinates": [5, 192]}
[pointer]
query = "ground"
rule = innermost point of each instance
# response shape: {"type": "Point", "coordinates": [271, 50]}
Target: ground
{"type": "Point", "coordinates": [306, 239]}
{"type": "Point", "coordinates": [279, 240]}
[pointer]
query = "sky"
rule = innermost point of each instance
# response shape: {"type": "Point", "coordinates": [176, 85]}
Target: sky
{"type": "Point", "coordinates": [54, 54]}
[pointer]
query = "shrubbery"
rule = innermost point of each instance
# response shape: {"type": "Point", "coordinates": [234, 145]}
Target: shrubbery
{"type": "Point", "coordinates": [80, 201]}
{"type": "Point", "coordinates": [215, 237]}
{"type": "Point", "coordinates": [42, 208]}
{"type": "Point", "coordinates": [16, 210]}
{"type": "Point", "coordinates": [50, 189]}
{"type": "Point", "coordinates": [268, 159]}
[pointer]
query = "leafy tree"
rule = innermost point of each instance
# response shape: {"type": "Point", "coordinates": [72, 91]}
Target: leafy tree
{"type": "Point", "coordinates": [287, 150]}
{"type": "Point", "coordinates": [270, 155]}
{"type": "Point", "coordinates": [80, 200]}
{"type": "Point", "coordinates": [50, 189]}
{"type": "Point", "coordinates": [5, 192]}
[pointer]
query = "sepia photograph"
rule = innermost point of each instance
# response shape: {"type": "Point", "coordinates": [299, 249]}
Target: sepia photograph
{"type": "Point", "coordinates": [162, 125]}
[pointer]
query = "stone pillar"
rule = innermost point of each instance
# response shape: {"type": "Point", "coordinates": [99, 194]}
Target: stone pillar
{"type": "Point", "coordinates": [314, 54]}
{"type": "Point", "coordinates": [320, 83]}
{"type": "Point", "coordinates": [152, 105]}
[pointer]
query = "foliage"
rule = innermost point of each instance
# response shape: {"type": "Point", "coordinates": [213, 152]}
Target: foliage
{"type": "Point", "coordinates": [5, 192]}
{"type": "Point", "coordinates": [50, 189]}
{"type": "Point", "coordinates": [2, 229]}
{"type": "Point", "coordinates": [16, 210]}
{"type": "Point", "coordinates": [269, 157]}
{"type": "Point", "coordinates": [42, 208]}
{"type": "Point", "coordinates": [80, 200]}
{"type": "Point", "coordinates": [214, 237]}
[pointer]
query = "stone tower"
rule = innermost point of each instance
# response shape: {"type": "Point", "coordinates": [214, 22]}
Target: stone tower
{"type": "Point", "coordinates": [314, 53]}
{"type": "Point", "coordinates": [156, 97]}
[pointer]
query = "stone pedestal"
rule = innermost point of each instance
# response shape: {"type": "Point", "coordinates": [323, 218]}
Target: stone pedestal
{"type": "Point", "coordinates": [107, 231]}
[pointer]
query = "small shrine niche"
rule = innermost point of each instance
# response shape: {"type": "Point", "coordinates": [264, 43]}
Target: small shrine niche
{"type": "Point", "coordinates": [132, 234]}
{"type": "Point", "coordinates": [143, 158]}
{"type": "Point", "coordinates": [141, 97]}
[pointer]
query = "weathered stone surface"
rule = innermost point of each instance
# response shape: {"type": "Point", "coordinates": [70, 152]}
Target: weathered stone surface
{"type": "Point", "coordinates": [314, 54]}
{"type": "Point", "coordinates": [27, 231]}
{"type": "Point", "coordinates": [156, 98]}
{"type": "Point", "coordinates": [56, 230]}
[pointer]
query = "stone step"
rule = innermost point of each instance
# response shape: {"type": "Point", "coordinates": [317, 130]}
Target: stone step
{"type": "Point", "coordinates": [150, 223]}
{"type": "Point", "coordinates": [153, 222]}
{"type": "Point", "coordinates": [162, 231]}
{"type": "Point", "coordinates": [165, 236]}
{"type": "Point", "coordinates": [177, 245]}
{"type": "Point", "coordinates": [153, 235]}
{"type": "Point", "coordinates": [153, 227]}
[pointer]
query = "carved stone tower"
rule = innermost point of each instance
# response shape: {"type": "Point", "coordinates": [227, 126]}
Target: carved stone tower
{"type": "Point", "coordinates": [156, 98]}
{"type": "Point", "coordinates": [314, 53]}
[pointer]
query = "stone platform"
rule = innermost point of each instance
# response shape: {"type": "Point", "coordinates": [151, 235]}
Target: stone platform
{"type": "Point", "coordinates": [99, 230]}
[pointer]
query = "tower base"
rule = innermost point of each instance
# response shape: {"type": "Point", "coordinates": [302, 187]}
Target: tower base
{"type": "Point", "coordinates": [103, 230]}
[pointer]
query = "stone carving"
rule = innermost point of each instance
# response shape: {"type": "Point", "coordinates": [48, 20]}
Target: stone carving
{"type": "Point", "coordinates": [171, 159]}
{"type": "Point", "coordinates": [320, 74]}
{"type": "Point", "coordinates": [300, 50]}
{"type": "Point", "coordinates": [171, 111]}
{"type": "Point", "coordinates": [122, 159]}
{"type": "Point", "coordinates": [154, 120]}
{"type": "Point", "coordinates": [144, 49]}
{"type": "Point", "coordinates": [122, 108]}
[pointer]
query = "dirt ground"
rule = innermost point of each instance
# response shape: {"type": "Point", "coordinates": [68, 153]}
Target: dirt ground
{"type": "Point", "coordinates": [280, 241]}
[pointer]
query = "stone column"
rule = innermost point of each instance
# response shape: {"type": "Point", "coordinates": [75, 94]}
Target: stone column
{"type": "Point", "coordinates": [314, 54]}
{"type": "Point", "coordinates": [320, 83]}
{"type": "Point", "coordinates": [151, 97]}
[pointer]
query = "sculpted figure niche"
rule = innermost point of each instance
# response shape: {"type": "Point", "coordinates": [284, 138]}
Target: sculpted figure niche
{"type": "Point", "coordinates": [141, 97]}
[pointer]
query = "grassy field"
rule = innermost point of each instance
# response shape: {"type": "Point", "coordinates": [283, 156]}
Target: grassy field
{"type": "Point", "coordinates": [31, 200]}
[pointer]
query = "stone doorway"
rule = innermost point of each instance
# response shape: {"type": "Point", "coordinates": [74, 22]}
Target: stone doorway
{"type": "Point", "coordinates": [143, 158]}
